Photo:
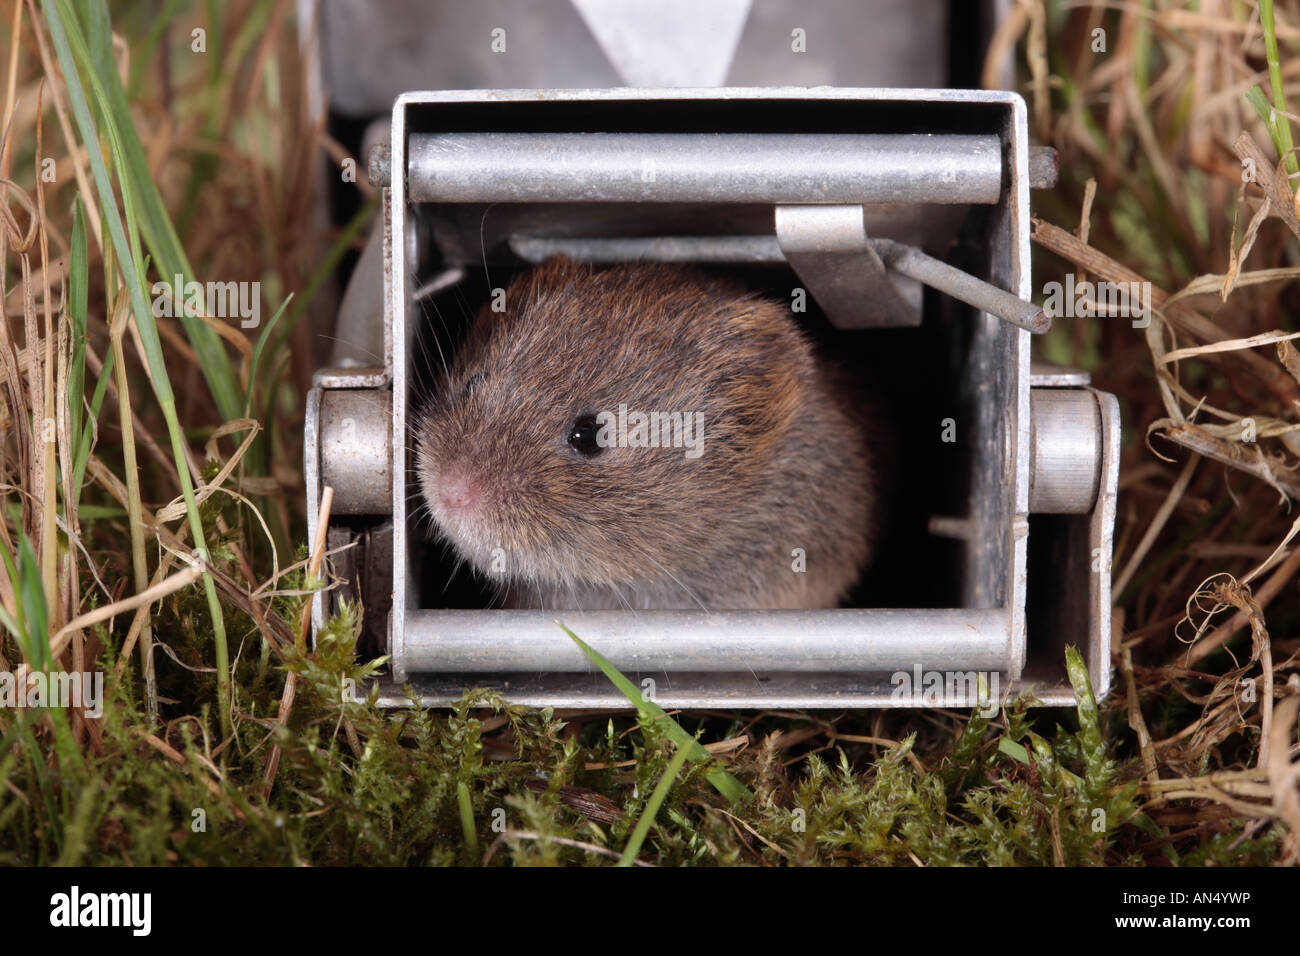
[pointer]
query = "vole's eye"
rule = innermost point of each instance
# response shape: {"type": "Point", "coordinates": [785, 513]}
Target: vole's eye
{"type": "Point", "coordinates": [472, 384]}
{"type": "Point", "coordinates": [582, 436]}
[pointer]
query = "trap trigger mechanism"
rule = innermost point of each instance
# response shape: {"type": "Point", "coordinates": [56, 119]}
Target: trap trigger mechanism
{"type": "Point", "coordinates": [863, 283]}
{"type": "Point", "coordinates": [831, 253]}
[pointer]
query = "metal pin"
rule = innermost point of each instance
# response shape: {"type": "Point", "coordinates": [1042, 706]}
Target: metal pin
{"type": "Point", "coordinates": [962, 286]}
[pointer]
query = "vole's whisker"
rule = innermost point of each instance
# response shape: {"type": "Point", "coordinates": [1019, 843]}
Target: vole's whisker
{"type": "Point", "coordinates": [626, 603]}
{"type": "Point", "coordinates": [379, 359]}
{"type": "Point", "coordinates": [421, 349]}
{"type": "Point", "coordinates": [482, 247]}
{"type": "Point", "coordinates": [691, 594]}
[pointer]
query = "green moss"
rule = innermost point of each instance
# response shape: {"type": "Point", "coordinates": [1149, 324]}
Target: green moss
{"type": "Point", "coordinates": [360, 785]}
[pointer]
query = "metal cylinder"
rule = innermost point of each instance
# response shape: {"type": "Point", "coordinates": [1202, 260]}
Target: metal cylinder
{"type": "Point", "coordinates": [846, 641]}
{"type": "Point", "coordinates": [1065, 450]}
{"type": "Point", "coordinates": [963, 286]}
{"type": "Point", "coordinates": [704, 167]}
{"type": "Point", "coordinates": [356, 449]}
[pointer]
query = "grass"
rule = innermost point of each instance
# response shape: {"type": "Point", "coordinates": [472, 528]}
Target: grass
{"type": "Point", "coordinates": [1274, 114]}
{"type": "Point", "coordinates": [153, 529]}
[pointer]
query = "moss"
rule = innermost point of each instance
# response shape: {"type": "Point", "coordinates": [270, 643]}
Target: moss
{"type": "Point", "coordinates": [360, 785]}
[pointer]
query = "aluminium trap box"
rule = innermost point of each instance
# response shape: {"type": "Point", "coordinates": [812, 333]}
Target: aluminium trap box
{"type": "Point", "coordinates": [844, 187]}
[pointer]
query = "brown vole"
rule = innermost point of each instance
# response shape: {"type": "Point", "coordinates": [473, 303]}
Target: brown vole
{"type": "Point", "coordinates": [531, 460]}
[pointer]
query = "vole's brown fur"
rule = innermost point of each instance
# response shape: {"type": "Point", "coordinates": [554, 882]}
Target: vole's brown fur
{"type": "Point", "coordinates": [785, 462]}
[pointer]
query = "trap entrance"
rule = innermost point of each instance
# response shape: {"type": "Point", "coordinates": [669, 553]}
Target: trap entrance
{"type": "Point", "coordinates": [929, 167]}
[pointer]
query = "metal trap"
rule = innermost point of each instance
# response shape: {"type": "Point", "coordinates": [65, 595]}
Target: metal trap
{"type": "Point", "coordinates": [854, 194]}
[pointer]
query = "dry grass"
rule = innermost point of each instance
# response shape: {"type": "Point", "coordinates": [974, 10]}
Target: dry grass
{"type": "Point", "coordinates": [100, 531]}
{"type": "Point", "coordinates": [1161, 123]}
{"type": "Point", "coordinates": [95, 491]}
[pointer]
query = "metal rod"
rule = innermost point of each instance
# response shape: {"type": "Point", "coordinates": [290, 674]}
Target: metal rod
{"type": "Point", "coordinates": [905, 259]}
{"type": "Point", "coordinates": [729, 250]}
{"type": "Point", "coordinates": [732, 691]}
{"type": "Point", "coordinates": [704, 167]}
{"type": "Point", "coordinates": [960, 285]}
{"type": "Point", "coordinates": [845, 641]}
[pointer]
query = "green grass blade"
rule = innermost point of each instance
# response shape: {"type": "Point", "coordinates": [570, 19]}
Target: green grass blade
{"type": "Point", "coordinates": [34, 607]}
{"type": "Point", "coordinates": [214, 98]}
{"type": "Point", "coordinates": [160, 236]}
{"type": "Point", "coordinates": [89, 513]}
{"type": "Point", "coordinates": [56, 13]}
{"type": "Point", "coordinates": [651, 811]}
{"type": "Point", "coordinates": [78, 299]}
{"type": "Point", "coordinates": [88, 430]}
{"type": "Point", "coordinates": [142, 53]}
{"type": "Point", "coordinates": [35, 757]}
{"type": "Point", "coordinates": [648, 711]}
{"type": "Point", "coordinates": [255, 362]}
{"type": "Point", "coordinates": [17, 625]}
{"type": "Point", "coordinates": [1282, 125]}
{"type": "Point", "coordinates": [30, 626]}
{"type": "Point", "coordinates": [1256, 98]}
{"type": "Point", "coordinates": [466, 811]}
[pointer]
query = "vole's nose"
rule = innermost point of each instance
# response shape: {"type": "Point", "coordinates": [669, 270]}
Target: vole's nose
{"type": "Point", "coordinates": [457, 490]}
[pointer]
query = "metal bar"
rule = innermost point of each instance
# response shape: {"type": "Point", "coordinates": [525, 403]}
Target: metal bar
{"type": "Point", "coordinates": [844, 641]}
{"type": "Point", "coordinates": [401, 259]}
{"type": "Point", "coordinates": [734, 691]}
{"type": "Point", "coordinates": [963, 286]}
{"type": "Point", "coordinates": [729, 250]}
{"type": "Point", "coordinates": [902, 258]}
{"type": "Point", "coordinates": [704, 167]}
{"type": "Point", "coordinates": [1101, 541]}
{"type": "Point", "coordinates": [311, 478]}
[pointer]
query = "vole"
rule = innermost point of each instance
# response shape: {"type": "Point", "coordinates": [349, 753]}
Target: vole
{"type": "Point", "coordinates": [756, 490]}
